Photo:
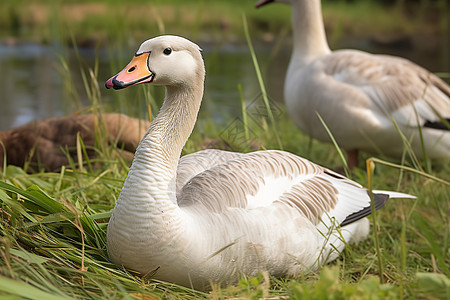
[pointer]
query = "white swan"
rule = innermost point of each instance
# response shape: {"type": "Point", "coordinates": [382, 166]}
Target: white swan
{"type": "Point", "coordinates": [358, 94]}
{"type": "Point", "coordinates": [214, 215]}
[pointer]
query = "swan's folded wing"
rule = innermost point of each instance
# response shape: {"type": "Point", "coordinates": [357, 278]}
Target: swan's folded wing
{"type": "Point", "coordinates": [192, 164]}
{"type": "Point", "coordinates": [396, 87]}
{"type": "Point", "coordinates": [266, 178]}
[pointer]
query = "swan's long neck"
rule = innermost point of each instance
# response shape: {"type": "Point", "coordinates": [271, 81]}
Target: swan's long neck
{"type": "Point", "coordinates": [149, 191]}
{"type": "Point", "coordinates": [308, 31]}
{"type": "Point", "coordinates": [164, 140]}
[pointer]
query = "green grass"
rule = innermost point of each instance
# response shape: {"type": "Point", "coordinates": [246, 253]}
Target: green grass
{"type": "Point", "coordinates": [53, 236]}
{"type": "Point", "coordinates": [53, 226]}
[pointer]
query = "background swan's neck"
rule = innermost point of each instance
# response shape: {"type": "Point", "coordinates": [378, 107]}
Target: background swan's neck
{"type": "Point", "coordinates": [308, 31]}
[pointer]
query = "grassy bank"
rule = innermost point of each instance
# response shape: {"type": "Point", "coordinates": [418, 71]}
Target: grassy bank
{"type": "Point", "coordinates": [53, 225]}
{"type": "Point", "coordinates": [53, 235]}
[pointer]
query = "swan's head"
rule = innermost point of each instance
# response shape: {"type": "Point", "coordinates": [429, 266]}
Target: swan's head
{"type": "Point", "coordinates": [164, 60]}
{"type": "Point", "coordinates": [264, 2]}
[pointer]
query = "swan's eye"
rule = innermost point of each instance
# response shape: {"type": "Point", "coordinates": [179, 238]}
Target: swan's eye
{"type": "Point", "coordinates": [167, 51]}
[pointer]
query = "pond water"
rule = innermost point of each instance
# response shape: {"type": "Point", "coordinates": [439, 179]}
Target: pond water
{"type": "Point", "coordinates": [35, 84]}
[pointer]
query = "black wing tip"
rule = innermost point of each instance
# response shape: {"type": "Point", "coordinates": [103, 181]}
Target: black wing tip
{"type": "Point", "coordinates": [379, 200]}
{"type": "Point", "coordinates": [441, 125]}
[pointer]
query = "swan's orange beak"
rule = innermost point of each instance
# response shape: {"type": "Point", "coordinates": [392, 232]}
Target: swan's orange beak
{"type": "Point", "coordinates": [135, 72]}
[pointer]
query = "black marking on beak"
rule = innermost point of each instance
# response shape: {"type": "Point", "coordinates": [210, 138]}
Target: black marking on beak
{"type": "Point", "coordinates": [118, 85]}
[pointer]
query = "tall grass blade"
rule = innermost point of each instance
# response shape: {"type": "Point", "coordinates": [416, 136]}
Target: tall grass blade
{"type": "Point", "coordinates": [244, 114]}
{"type": "Point", "coordinates": [370, 167]}
{"type": "Point", "coordinates": [37, 197]}
{"type": "Point", "coordinates": [338, 149]}
{"type": "Point", "coordinates": [79, 153]}
{"type": "Point", "coordinates": [261, 82]}
{"type": "Point", "coordinates": [4, 158]}
{"type": "Point", "coordinates": [22, 289]}
{"type": "Point", "coordinates": [407, 146]}
{"type": "Point", "coordinates": [409, 169]}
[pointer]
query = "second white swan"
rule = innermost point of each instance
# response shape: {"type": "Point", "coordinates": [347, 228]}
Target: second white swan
{"type": "Point", "coordinates": [364, 99]}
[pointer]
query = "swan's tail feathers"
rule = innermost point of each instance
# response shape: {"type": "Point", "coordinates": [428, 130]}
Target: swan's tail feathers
{"type": "Point", "coordinates": [380, 198]}
{"type": "Point", "coordinates": [394, 194]}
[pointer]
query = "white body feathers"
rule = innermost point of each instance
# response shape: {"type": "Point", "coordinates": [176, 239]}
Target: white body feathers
{"type": "Point", "coordinates": [359, 95]}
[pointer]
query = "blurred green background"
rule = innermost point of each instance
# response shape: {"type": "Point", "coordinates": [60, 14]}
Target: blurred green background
{"type": "Point", "coordinates": [108, 22]}
{"type": "Point", "coordinates": [46, 46]}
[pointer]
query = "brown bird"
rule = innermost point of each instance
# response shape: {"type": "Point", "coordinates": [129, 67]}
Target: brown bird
{"type": "Point", "coordinates": [43, 143]}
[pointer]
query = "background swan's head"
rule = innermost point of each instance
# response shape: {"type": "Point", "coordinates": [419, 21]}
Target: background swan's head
{"type": "Point", "coordinates": [164, 60]}
{"type": "Point", "coordinates": [264, 2]}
